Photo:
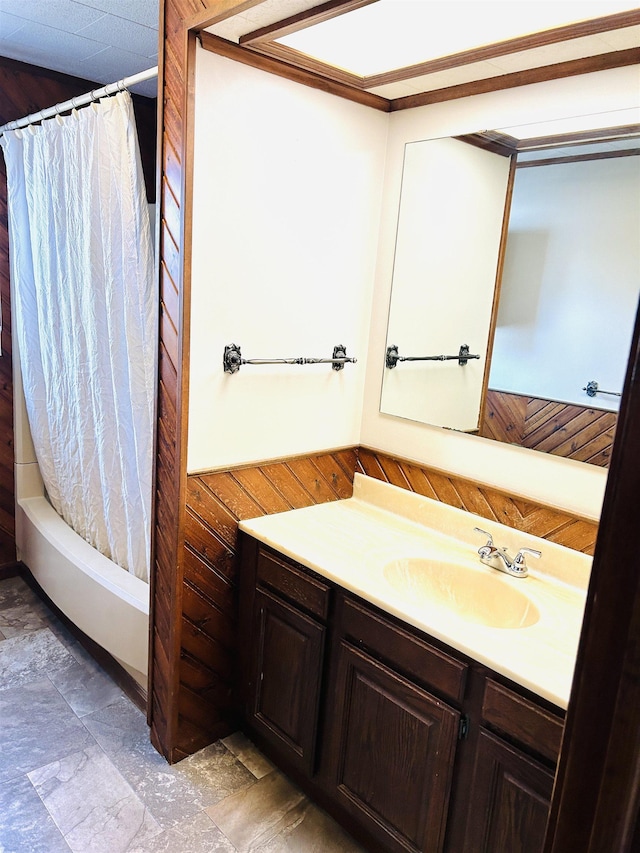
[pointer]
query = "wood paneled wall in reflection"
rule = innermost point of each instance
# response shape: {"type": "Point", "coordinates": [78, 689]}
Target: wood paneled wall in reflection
{"type": "Point", "coordinates": [576, 432]}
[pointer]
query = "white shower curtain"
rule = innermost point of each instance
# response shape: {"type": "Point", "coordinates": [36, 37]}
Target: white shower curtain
{"type": "Point", "coordinates": [82, 278]}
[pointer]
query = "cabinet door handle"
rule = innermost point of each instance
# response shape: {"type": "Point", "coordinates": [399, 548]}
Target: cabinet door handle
{"type": "Point", "coordinates": [463, 727]}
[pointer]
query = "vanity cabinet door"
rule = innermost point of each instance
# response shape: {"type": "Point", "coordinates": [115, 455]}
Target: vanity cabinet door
{"type": "Point", "coordinates": [508, 800]}
{"type": "Point", "coordinates": [391, 754]}
{"type": "Point", "coordinates": [286, 675]}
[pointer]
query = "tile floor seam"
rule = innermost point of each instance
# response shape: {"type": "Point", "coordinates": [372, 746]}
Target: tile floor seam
{"type": "Point", "coordinates": [26, 778]}
{"type": "Point", "coordinates": [62, 696]}
{"type": "Point", "coordinates": [127, 795]}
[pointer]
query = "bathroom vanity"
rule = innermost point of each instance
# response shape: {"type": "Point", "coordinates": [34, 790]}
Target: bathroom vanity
{"type": "Point", "coordinates": [416, 694]}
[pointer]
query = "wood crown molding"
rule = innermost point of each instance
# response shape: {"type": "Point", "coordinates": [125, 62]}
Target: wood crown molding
{"type": "Point", "coordinates": [258, 60]}
{"type": "Point", "coordinates": [506, 145]}
{"type": "Point", "coordinates": [580, 158]}
{"type": "Point", "coordinates": [293, 65]}
{"type": "Point", "coordinates": [572, 68]}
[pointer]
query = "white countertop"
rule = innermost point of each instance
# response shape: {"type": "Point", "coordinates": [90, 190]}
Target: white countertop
{"type": "Point", "coordinates": [351, 541]}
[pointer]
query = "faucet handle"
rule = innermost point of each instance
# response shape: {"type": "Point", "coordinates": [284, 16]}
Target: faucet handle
{"type": "Point", "coordinates": [488, 535]}
{"type": "Point", "coordinates": [520, 562]}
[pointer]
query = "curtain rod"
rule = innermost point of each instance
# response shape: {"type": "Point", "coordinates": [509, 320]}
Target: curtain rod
{"type": "Point", "coordinates": [81, 100]}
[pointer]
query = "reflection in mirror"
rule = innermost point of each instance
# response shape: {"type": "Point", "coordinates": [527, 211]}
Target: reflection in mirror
{"type": "Point", "coordinates": [568, 299]}
{"type": "Point", "coordinates": [444, 278]}
{"type": "Point", "coordinates": [568, 295]}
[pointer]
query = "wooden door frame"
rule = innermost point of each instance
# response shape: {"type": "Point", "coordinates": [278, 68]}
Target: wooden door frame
{"type": "Point", "coordinates": [596, 800]}
{"type": "Point", "coordinates": [596, 795]}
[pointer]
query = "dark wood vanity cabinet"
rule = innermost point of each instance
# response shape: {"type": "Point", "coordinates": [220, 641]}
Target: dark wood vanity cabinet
{"type": "Point", "coordinates": [414, 747]}
{"type": "Point", "coordinates": [287, 667]}
{"type": "Point", "coordinates": [518, 746]}
{"type": "Point", "coordinates": [510, 799]}
{"type": "Point", "coordinates": [283, 659]}
{"type": "Point", "coordinates": [392, 753]}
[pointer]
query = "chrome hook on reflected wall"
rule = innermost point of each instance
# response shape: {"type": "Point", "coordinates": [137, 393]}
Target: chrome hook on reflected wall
{"type": "Point", "coordinates": [392, 357]}
{"type": "Point", "coordinates": [232, 359]}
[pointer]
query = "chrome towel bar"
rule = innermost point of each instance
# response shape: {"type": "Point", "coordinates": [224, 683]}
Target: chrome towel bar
{"type": "Point", "coordinates": [232, 359]}
{"type": "Point", "coordinates": [392, 357]}
{"type": "Point", "coordinates": [592, 389]}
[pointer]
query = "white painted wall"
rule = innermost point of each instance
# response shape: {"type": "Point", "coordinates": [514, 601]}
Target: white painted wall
{"type": "Point", "coordinates": [569, 485]}
{"type": "Point", "coordinates": [571, 281]}
{"type": "Point", "coordinates": [266, 148]}
{"type": "Point", "coordinates": [287, 190]}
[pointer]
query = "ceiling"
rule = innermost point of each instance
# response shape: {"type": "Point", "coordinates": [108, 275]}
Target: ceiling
{"type": "Point", "coordinates": [98, 40]}
{"type": "Point", "coordinates": [379, 37]}
{"type": "Point", "coordinates": [588, 34]}
{"type": "Point", "coordinates": [106, 40]}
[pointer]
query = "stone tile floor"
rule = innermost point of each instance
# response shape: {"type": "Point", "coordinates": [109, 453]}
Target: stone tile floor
{"type": "Point", "coordinates": [77, 770]}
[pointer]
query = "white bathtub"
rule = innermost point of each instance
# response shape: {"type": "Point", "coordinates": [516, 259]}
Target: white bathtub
{"type": "Point", "coordinates": [107, 603]}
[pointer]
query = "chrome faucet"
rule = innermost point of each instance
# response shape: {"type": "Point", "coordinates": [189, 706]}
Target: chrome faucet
{"type": "Point", "coordinates": [498, 558]}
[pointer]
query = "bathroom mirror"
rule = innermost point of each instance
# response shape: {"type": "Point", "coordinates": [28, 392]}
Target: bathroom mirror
{"type": "Point", "coordinates": [444, 278]}
{"type": "Point", "coordinates": [568, 294]}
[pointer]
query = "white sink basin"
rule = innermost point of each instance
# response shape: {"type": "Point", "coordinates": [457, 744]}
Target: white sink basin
{"type": "Point", "coordinates": [472, 594]}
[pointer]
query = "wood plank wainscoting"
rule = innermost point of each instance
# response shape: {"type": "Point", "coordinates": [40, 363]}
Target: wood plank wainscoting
{"type": "Point", "coordinates": [537, 519]}
{"type": "Point", "coordinates": [216, 502]}
{"type": "Point", "coordinates": [576, 432]}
